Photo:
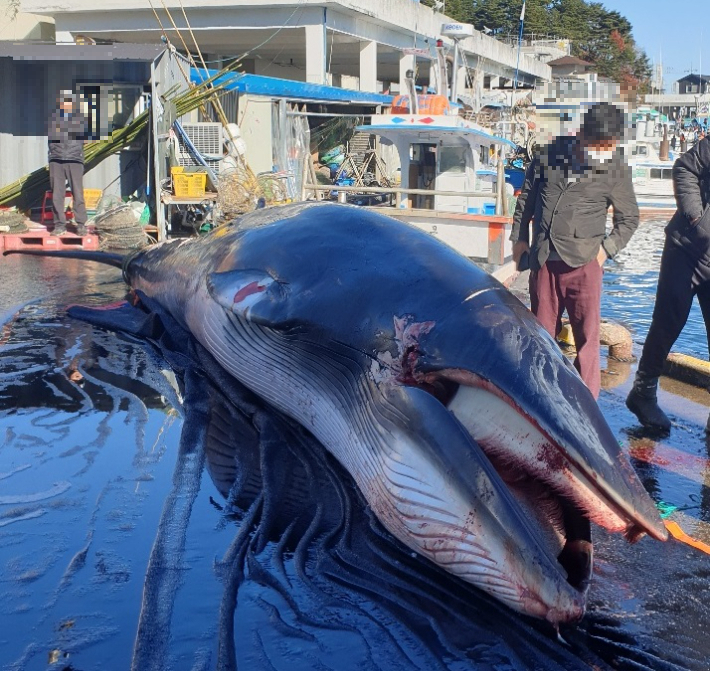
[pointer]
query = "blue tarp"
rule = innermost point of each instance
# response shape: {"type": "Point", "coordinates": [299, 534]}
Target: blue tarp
{"type": "Point", "coordinates": [291, 89]}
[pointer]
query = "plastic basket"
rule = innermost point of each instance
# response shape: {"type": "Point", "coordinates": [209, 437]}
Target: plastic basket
{"type": "Point", "coordinates": [176, 170]}
{"type": "Point", "coordinates": [92, 197]}
{"type": "Point", "coordinates": [189, 185]}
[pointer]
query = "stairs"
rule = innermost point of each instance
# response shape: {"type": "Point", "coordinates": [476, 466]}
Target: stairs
{"type": "Point", "coordinates": [358, 146]}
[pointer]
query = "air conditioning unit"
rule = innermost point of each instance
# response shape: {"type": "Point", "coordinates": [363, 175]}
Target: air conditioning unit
{"type": "Point", "coordinates": [207, 139]}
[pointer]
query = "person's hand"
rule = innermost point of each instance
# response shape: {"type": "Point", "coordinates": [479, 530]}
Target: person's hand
{"type": "Point", "coordinates": [519, 248]}
{"type": "Point", "coordinates": [602, 256]}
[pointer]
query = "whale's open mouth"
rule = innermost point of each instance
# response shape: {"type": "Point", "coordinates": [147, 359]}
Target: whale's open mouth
{"type": "Point", "coordinates": [559, 494]}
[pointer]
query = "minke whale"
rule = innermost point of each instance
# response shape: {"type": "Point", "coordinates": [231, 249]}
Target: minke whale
{"type": "Point", "coordinates": [472, 438]}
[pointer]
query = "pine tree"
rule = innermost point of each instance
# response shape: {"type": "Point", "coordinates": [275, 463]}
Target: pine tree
{"type": "Point", "coordinates": [494, 15]}
{"type": "Point", "coordinates": [598, 35]}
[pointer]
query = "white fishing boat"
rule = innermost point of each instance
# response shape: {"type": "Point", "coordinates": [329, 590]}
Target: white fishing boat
{"type": "Point", "coordinates": [652, 176]}
{"type": "Point", "coordinates": [450, 179]}
{"type": "Point", "coordinates": [452, 183]}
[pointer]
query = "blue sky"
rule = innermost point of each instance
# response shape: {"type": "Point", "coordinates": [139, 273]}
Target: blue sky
{"type": "Point", "coordinates": [676, 29]}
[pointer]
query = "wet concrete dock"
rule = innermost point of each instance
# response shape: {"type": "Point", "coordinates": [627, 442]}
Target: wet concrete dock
{"type": "Point", "coordinates": [120, 544]}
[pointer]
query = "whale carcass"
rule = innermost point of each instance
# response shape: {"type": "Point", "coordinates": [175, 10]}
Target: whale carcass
{"type": "Point", "coordinates": [471, 437]}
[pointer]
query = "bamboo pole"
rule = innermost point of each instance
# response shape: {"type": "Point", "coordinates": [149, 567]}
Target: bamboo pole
{"type": "Point", "coordinates": [29, 189]}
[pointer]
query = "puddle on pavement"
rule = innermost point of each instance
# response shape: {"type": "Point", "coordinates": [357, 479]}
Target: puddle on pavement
{"type": "Point", "coordinates": [141, 530]}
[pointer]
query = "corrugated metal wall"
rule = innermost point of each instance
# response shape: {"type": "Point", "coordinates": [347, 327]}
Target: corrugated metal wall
{"type": "Point", "coordinates": [28, 99]}
{"type": "Point", "coordinates": [167, 77]}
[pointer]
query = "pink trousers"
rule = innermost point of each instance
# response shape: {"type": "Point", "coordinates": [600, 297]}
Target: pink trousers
{"type": "Point", "coordinates": [557, 287]}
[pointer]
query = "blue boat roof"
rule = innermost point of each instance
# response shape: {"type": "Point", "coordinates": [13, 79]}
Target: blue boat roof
{"type": "Point", "coordinates": [261, 85]}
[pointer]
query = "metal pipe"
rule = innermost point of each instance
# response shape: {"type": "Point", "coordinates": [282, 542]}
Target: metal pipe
{"type": "Point", "coordinates": [500, 188]}
{"type": "Point", "coordinates": [455, 72]}
{"type": "Point", "coordinates": [398, 191]}
{"type": "Point", "coordinates": [306, 114]}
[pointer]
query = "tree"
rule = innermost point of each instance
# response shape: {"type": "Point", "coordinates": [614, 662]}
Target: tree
{"type": "Point", "coordinates": [495, 15]}
{"type": "Point", "coordinates": [537, 17]}
{"type": "Point", "coordinates": [598, 35]}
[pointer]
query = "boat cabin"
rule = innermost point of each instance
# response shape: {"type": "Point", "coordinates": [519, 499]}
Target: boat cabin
{"type": "Point", "coordinates": [444, 155]}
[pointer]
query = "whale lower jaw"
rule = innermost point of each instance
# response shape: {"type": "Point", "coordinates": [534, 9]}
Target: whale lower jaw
{"type": "Point", "coordinates": [411, 496]}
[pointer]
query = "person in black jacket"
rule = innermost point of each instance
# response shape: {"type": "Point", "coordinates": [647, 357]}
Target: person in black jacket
{"type": "Point", "coordinates": [685, 273]}
{"type": "Point", "coordinates": [66, 136]}
{"type": "Point", "coordinates": [567, 193]}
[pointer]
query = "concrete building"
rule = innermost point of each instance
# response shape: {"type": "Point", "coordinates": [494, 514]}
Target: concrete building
{"type": "Point", "coordinates": [360, 44]}
{"type": "Point", "coordinates": [692, 84]}
{"type": "Point", "coordinates": [16, 25]}
{"type": "Point", "coordinates": [572, 68]}
{"type": "Point", "coordinates": [542, 48]}
{"type": "Point", "coordinates": [690, 98]}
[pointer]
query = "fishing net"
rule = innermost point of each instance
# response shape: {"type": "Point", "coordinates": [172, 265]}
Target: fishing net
{"type": "Point", "coordinates": [274, 187]}
{"type": "Point", "coordinates": [238, 192]}
{"type": "Point", "coordinates": [119, 225]}
{"type": "Point", "coordinates": [12, 222]}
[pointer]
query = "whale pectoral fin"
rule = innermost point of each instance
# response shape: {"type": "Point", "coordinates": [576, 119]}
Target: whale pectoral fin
{"type": "Point", "coordinates": [241, 291]}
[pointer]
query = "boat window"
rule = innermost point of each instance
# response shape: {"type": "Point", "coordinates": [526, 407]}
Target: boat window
{"type": "Point", "coordinates": [656, 173]}
{"type": "Point", "coordinates": [452, 160]}
{"type": "Point", "coordinates": [667, 173]}
{"type": "Point", "coordinates": [641, 150]}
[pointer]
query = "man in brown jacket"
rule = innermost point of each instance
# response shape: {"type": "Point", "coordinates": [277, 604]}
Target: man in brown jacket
{"type": "Point", "coordinates": [567, 193]}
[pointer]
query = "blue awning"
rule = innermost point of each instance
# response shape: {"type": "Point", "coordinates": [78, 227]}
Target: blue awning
{"type": "Point", "coordinates": [261, 85]}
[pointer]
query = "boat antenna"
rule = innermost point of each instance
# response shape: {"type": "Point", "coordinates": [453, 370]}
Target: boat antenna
{"type": "Point", "coordinates": [520, 44]}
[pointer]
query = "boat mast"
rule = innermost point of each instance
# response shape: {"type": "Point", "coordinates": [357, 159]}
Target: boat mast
{"type": "Point", "coordinates": [517, 63]}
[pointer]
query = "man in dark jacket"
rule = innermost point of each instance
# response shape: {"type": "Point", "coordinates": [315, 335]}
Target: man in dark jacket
{"type": "Point", "coordinates": [66, 134]}
{"type": "Point", "coordinates": [567, 193]}
{"type": "Point", "coordinates": [685, 272]}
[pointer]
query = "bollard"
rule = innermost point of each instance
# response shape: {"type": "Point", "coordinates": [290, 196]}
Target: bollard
{"type": "Point", "coordinates": [619, 341]}
{"type": "Point", "coordinates": [615, 336]}
{"type": "Point", "coordinates": [665, 145]}
{"type": "Point", "coordinates": [342, 197]}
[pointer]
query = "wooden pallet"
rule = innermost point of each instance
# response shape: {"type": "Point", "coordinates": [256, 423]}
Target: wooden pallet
{"type": "Point", "coordinates": [41, 239]}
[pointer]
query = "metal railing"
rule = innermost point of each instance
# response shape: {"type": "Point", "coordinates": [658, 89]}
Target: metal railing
{"type": "Point", "coordinates": [398, 191]}
{"type": "Point", "coordinates": [501, 203]}
{"type": "Point", "coordinates": [343, 190]}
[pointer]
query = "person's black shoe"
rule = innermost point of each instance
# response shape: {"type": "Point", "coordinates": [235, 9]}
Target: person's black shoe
{"type": "Point", "coordinates": [642, 402]}
{"type": "Point", "coordinates": [59, 230]}
{"type": "Point", "coordinates": [81, 230]}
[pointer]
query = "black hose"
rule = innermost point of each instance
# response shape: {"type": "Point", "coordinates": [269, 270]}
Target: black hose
{"type": "Point", "coordinates": [117, 260]}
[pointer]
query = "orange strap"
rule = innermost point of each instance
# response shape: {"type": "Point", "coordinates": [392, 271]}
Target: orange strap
{"type": "Point", "coordinates": [677, 532]}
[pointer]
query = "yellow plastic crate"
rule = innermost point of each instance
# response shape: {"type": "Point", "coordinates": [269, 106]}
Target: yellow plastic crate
{"type": "Point", "coordinates": [92, 197]}
{"type": "Point", "coordinates": [189, 185]}
{"type": "Point", "coordinates": [176, 170]}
